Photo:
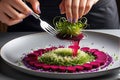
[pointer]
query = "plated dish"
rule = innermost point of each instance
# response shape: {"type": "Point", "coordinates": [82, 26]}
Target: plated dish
{"type": "Point", "coordinates": [60, 59]}
{"type": "Point", "coordinates": [14, 51]}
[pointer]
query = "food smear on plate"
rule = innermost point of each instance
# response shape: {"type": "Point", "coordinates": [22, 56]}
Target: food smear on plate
{"type": "Point", "coordinates": [60, 59]}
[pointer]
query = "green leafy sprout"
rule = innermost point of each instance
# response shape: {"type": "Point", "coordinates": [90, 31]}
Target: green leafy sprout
{"type": "Point", "coordinates": [67, 28]}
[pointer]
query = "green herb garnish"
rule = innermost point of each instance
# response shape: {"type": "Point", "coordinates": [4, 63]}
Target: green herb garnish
{"type": "Point", "coordinates": [66, 28]}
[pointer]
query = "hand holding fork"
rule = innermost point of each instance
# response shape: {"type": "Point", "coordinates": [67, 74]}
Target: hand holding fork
{"type": "Point", "coordinates": [44, 25]}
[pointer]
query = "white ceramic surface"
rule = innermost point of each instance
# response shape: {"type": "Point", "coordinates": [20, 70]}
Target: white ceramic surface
{"type": "Point", "coordinates": [12, 52]}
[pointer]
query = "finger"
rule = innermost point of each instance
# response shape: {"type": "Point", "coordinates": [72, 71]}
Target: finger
{"type": "Point", "coordinates": [13, 22]}
{"type": "Point", "coordinates": [75, 10]}
{"type": "Point", "coordinates": [12, 13]}
{"type": "Point", "coordinates": [68, 10]}
{"type": "Point", "coordinates": [20, 6]}
{"type": "Point", "coordinates": [62, 7]}
{"type": "Point", "coordinates": [5, 19]}
{"type": "Point", "coordinates": [88, 7]}
{"type": "Point", "coordinates": [95, 1]}
{"type": "Point", "coordinates": [82, 7]}
{"type": "Point", "coordinates": [35, 5]}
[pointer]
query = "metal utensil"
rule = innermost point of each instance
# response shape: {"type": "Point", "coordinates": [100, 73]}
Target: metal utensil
{"type": "Point", "coordinates": [44, 25]}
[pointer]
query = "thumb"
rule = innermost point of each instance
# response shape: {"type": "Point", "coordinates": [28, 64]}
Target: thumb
{"type": "Point", "coordinates": [35, 5]}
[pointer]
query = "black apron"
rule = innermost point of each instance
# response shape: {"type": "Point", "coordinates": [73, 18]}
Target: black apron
{"type": "Point", "coordinates": [103, 15]}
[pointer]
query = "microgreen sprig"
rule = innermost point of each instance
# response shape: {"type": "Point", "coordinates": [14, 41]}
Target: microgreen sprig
{"type": "Point", "coordinates": [66, 28]}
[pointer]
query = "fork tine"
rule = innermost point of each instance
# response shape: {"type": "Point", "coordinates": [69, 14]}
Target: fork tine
{"type": "Point", "coordinates": [50, 30]}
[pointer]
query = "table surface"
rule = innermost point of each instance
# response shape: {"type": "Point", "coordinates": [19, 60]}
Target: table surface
{"type": "Point", "coordinates": [8, 73]}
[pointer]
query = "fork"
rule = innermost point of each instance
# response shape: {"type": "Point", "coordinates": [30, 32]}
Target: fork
{"type": "Point", "coordinates": [45, 26]}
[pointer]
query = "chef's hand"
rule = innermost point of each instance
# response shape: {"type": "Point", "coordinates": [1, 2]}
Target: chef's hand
{"type": "Point", "coordinates": [75, 9]}
{"type": "Point", "coordinates": [14, 11]}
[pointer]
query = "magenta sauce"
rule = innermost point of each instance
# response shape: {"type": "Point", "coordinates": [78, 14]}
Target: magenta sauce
{"type": "Point", "coordinates": [101, 61]}
{"type": "Point", "coordinates": [75, 40]}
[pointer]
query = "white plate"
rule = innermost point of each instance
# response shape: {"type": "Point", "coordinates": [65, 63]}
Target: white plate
{"type": "Point", "coordinates": [12, 52]}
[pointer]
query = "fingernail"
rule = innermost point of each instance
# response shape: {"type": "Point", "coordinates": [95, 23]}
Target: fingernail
{"type": "Point", "coordinates": [38, 9]}
{"type": "Point", "coordinates": [74, 21]}
{"type": "Point", "coordinates": [21, 21]}
{"type": "Point", "coordinates": [61, 11]}
{"type": "Point", "coordinates": [69, 20]}
{"type": "Point", "coordinates": [30, 13]}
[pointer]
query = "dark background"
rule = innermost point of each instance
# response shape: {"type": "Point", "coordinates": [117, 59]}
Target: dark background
{"type": "Point", "coordinates": [118, 4]}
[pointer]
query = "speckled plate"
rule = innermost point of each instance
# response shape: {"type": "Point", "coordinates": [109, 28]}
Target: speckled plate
{"type": "Point", "coordinates": [12, 52]}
